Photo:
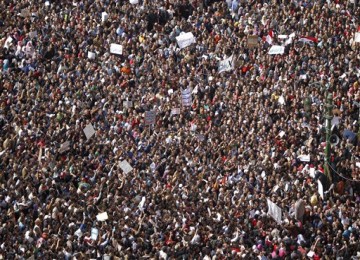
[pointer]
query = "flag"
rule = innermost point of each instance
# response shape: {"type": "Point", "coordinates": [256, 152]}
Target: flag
{"type": "Point", "coordinates": [309, 39]}
{"type": "Point", "coordinates": [269, 38]}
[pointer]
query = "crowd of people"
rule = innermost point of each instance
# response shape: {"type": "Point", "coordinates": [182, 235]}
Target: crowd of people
{"type": "Point", "coordinates": [237, 174]}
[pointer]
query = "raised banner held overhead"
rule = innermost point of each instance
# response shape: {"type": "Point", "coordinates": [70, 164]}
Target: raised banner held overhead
{"type": "Point", "coordinates": [186, 97]}
{"type": "Point", "coordinates": [276, 49]}
{"type": "Point", "coordinates": [185, 39]}
{"type": "Point", "coordinates": [226, 64]}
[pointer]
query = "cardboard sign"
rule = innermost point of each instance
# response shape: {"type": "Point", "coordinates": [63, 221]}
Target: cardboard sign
{"type": "Point", "coordinates": [125, 166]}
{"type": "Point", "coordinates": [252, 41]}
{"type": "Point", "coordinates": [226, 64]}
{"type": "Point", "coordinates": [150, 117]}
{"type": "Point", "coordinates": [89, 131]}
{"type": "Point", "coordinates": [25, 12]}
{"type": "Point", "coordinates": [185, 39]}
{"type": "Point", "coordinates": [276, 49]}
{"type": "Point", "coordinates": [102, 216]}
{"type": "Point", "coordinates": [274, 211]}
{"type": "Point", "coordinates": [186, 97]}
{"type": "Point", "coordinates": [116, 48]}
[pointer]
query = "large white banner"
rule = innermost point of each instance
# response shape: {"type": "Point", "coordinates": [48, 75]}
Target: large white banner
{"type": "Point", "coordinates": [185, 39]}
{"type": "Point", "coordinates": [276, 49]}
{"type": "Point", "coordinates": [274, 211]}
{"type": "Point", "coordinates": [226, 64]}
{"type": "Point", "coordinates": [186, 97]}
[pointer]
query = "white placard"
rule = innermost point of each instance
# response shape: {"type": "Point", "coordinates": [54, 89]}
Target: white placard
{"type": "Point", "coordinates": [91, 55]}
{"type": "Point", "coordinates": [276, 49]}
{"type": "Point", "coordinates": [125, 166]}
{"type": "Point", "coordinates": [127, 104]}
{"type": "Point", "coordinates": [281, 134]}
{"type": "Point", "coordinates": [102, 216]}
{"type": "Point", "coordinates": [89, 131]}
{"type": "Point", "coordinates": [311, 254]}
{"type": "Point", "coordinates": [335, 121]}
{"type": "Point", "coordinates": [320, 189]}
{"type": "Point", "coordinates": [175, 111]}
{"type": "Point", "coordinates": [47, 3]}
{"type": "Point", "coordinates": [226, 64]}
{"type": "Point", "coordinates": [104, 16]}
{"type": "Point", "coordinates": [186, 97]}
{"type": "Point", "coordinates": [281, 100]}
{"type": "Point", "coordinates": [357, 37]}
{"type": "Point", "coordinates": [150, 117]}
{"type": "Point", "coordinates": [142, 203]}
{"type": "Point", "coordinates": [64, 147]}
{"type": "Point", "coordinates": [8, 42]}
{"type": "Point", "coordinates": [134, 2]}
{"type": "Point", "coordinates": [312, 173]}
{"type": "Point", "coordinates": [33, 34]}
{"type": "Point", "coordinates": [282, 36]}
{"type": "Point", "coordinates": [185, 39]}
{"type": "Point", "coordinates": [116, 48]}
{"type": "Point", "coordinates": [274, 211]}
{"type": "Point", "coordinates": [94, 233]}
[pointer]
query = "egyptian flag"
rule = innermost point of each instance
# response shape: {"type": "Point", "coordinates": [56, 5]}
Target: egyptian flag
{"type": "Point", "coordinates": [269, 37]}
{"type": "Point", "coordinates": [308, 39]}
